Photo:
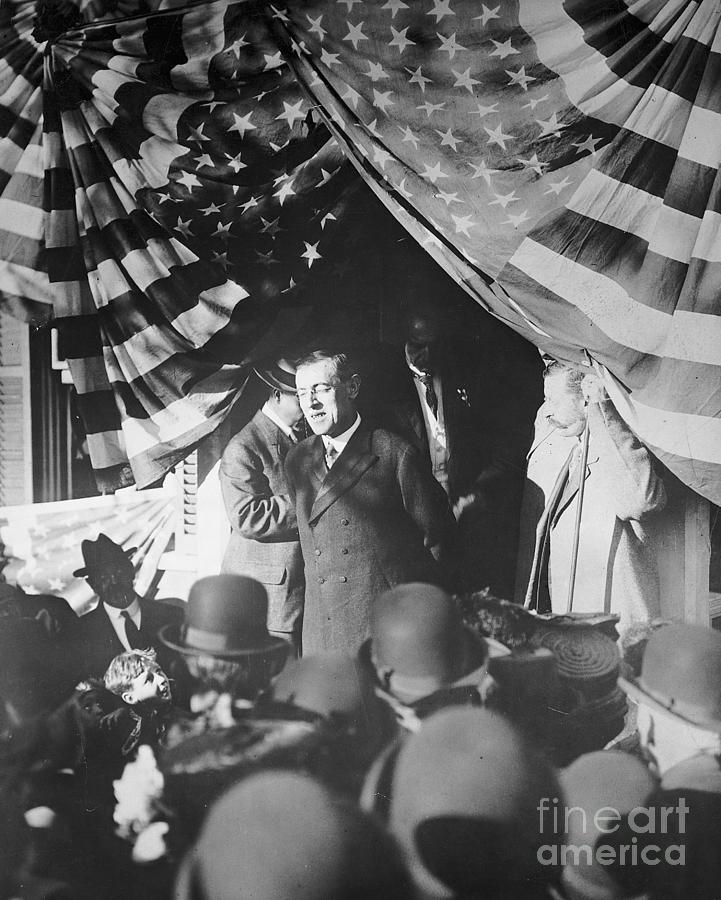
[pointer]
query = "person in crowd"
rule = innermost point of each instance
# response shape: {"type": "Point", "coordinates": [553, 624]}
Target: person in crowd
{"type": "Point", "coordinates": [122, 620]}
{"type": "Point", "coordinates": [600, 791]}
{"type": "Point", "coordinates": [678, 694]}
{"type": "Point", "coordinates": [440, 397]}
{"type": "Point", "coordinates": [144, 689]}
{"type": "Point", "coordinates": [264, 532]}
{"type": "Point", "coordinates": [227, 649]}
{"type": "Point", "coordinates": [337, 692]}
{"type": "Point", "coordinates": [279, 834]}
{"type": "Point", "coordinates": [616, 562]}
{"type": "Point", "coordinates": [461, 797]}
{"type": "Point", "coordinates": [421, 654]}
{"type": "Point", "coordinates": [370, 513]}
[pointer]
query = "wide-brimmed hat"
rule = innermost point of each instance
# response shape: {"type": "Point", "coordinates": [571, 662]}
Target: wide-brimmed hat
{"type": "Point", "coordinates": [225, 617]}
{"type": "Point", "coordinates": [464, 804]}
{"type": "Point", "coordinates": [278, 374]}
{"type": "Point", "coordinates": [419, 643]}
{"type": "Point", "coordinates": [100, 554]}
{"type": "Point", "coordinates": [681, 675]}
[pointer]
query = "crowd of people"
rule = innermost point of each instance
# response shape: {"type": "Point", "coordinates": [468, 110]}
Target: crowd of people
{"type": "Point", "coordinates": [325, 718]}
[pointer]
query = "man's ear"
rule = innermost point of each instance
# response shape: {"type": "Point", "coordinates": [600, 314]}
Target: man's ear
{"type": "Point", "coordinates": [128, 697]}
{"type": "Point", "coordinates": [276, 396]}
{"type": "Point", "coordinates": [354, 383]}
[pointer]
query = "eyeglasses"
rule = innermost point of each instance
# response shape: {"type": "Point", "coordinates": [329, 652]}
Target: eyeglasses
{"type": "Point", "coordinates": [323, 389]}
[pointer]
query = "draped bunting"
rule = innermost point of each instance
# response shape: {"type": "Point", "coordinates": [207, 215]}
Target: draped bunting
{"type": "Point", "coordinates": [559, 160]}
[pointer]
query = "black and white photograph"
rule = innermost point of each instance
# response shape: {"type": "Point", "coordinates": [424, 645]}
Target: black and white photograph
{"type": "Point", "coordinates": [360, 450]}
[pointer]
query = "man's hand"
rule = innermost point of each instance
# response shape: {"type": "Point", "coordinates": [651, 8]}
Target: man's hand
{"type": "Point", "coordinates": [592, 389]}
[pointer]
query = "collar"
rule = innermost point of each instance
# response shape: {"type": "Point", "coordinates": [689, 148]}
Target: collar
{"type": "Point", "coordinates": [417, 373]}
{"type": "Point", "coordinates": [270, 414]}
{"type": "Point", "coordinates": [115, 613]}
{"type": "Point", "coordinates": [341, 441]}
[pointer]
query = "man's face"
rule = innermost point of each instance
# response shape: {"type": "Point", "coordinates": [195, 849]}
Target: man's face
{"type": "Point", "coordinates": [113, 583]}
{"type": "Point", "coordinates": [564, 408]}
{"type": "Point", "coordinates": [423, 343]}
{"type": "Point", "coordinates": [327, 403]}
{"type": "Point", "coordinates": [152, 684]}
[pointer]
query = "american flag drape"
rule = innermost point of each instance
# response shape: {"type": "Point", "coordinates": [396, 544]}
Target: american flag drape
{"type": "Point", "coordinates": [559, 159]}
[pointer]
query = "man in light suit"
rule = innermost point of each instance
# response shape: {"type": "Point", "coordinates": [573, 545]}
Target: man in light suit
{"type": "Point", "coordinates": [370, 513]}
{"type": "Point", "coordinates": [264, 537]}
{"type": "Point", "coordinates": [617, 568]}
{"type": "Point", "coordinates": [122, 620]}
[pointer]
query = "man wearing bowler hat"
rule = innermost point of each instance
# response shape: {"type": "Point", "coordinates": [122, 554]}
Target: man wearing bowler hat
{"type": "Point", "coordinates": [264, 538]}
{"type": "Point", "coordinates": [122, 620]}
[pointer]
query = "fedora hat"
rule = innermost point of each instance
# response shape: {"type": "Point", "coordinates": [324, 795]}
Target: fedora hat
{"type": "Point", "coordinates": [225, 617]}
{"type": "Point", "coordinates": [419, 643]}
{"type": "Point", "coordinates": [279, 375]}
{"type": "Point", "coordinates": [101, 553]}
{"type": "Point", "coordinates": [681, 675]}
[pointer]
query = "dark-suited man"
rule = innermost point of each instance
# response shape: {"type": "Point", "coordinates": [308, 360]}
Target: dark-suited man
{"type": "Point", "coordinates": [370, 514]}
{"type": "Point", "coordinates": [443, 400]}
{"type": "Point", "coordinates": [264, 538]}
{"type": "Point", "coordinates": [122, 620]}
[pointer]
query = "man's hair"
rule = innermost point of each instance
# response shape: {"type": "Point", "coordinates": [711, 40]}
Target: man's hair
{"type": "Point", "coordinates": [574, 375]}
{"type": "Point", "coordinates": [344, 365]}
{"type": "Point", "coordinates": [126, 667]}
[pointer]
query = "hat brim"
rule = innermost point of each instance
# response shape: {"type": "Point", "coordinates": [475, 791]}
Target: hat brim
{"type": "Point", "coordinates": [82, 572]}
{"type": "Point", "coordinates": [170, 635]}
{"type": "Point", "coordinates": [275, 383]}
{"type": "Point", "coordinates": [634, 690]}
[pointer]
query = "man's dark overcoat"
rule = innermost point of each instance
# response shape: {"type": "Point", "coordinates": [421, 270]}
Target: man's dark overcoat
{"type": "Point", "coordinates": [368, 524]}
{"type": "Point", "coordinates": [264, 538]}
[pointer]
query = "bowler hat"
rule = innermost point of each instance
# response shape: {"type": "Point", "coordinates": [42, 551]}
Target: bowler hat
{"type": "Point", "coordinates": [279, 835]}
{"type": "Point", "coordinates": [595, 787]}
{"type": "Point", "coordinates": [681, 675]}
{"type": "Point", "coordinates": [279, 375]}
{"type": "Point", "coordinates": [100, 554]}
{"type": "Point", "coordinates": [225, 617]}
{"type": "Point", "coordinates": [419, 643]}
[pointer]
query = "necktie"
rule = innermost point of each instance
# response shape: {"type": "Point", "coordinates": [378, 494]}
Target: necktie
{"type": "Point", "coordinates": [132, 633]}
{"type": "Point", "coordinates": [431, 398]}
{"type": "Point", "coordinates": [331, 454]}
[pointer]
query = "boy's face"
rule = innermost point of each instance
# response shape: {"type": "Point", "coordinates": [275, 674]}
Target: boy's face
{"type": "Point", "coordinates": [152, 684]}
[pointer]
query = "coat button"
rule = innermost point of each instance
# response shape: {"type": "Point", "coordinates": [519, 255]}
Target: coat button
{"type": "Point", "coordinates": [344, 522]}
{"type": "Point", "coordinates": [342, 579]}
{"type": "Point", "coordinates": [344, 551]}
{"type": "Point", "coordinates": [317, 551]}
{"type": "Point", "coordinates": [321, 580]}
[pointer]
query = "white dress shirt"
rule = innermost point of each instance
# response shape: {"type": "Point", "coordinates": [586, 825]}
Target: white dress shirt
{"type": "Point", "coordinates": [435, 426]}
{"type": "Point", "coordinates": [339, 443]}
{"type": "Point", "coordinates": [268, 411]}
{"type": "Point", "coordinates": [117, 620]}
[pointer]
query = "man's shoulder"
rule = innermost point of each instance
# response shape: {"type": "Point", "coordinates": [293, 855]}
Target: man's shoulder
{"type": "Point", "coordinates": [169, 609]}
{"type": "Point", "coordinates": [253, 434]}
{"type": "Point", "coordinates": [300, 452]}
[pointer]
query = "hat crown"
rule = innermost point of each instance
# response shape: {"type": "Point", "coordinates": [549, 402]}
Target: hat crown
{"type": "Point", "coordinates": [101, 553]}
{"type": "Point", "coordinates": [278, 374]}
{"type": "Point", "coordinates": [416, 631]}
{"type": "Point", "coordinates": [326, 684]}
{"type": "Point", "coordinates": [234, 606]}
{"type": "Point", "coordinates": [681, 668]}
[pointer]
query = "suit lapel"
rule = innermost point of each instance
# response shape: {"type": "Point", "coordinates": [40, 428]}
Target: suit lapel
{"type": "Point", "coordinates": [347, 469]}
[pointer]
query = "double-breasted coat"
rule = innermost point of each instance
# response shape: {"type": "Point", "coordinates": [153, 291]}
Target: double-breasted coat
{"type": "Point", "coordinates": [375, 520]}
{"type": "Point", "coordinates": [264, 537]}
{"type": "Point", "coordinates": [617, 566]}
